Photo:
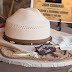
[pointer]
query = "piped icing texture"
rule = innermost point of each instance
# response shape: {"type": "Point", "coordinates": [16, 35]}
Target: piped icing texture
{"type": "Point", "coordinates": [27, 24]}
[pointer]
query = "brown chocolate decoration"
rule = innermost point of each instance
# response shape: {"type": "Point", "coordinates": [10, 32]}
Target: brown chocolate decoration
{"type": "Point", "coordinates": [46, 49]}
{"type": "Point", "coordinates": [27, 42]}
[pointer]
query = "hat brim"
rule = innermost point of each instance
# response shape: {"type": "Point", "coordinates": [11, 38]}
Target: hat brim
{"type": "Point", "coordinates": [29, 47]}
{"type": "Point", "coordinates": [21, 47]}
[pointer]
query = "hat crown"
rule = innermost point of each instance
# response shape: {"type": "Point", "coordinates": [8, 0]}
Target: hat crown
{"type": "Point", "coordinates": [28, 25]}
{"type": "Point", "coordinates": [26, 17]}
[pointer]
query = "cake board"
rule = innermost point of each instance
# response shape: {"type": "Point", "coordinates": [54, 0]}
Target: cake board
{"type": "Point", "coordinates": [17, 68]}
{"type": "Point", "coordinates": [35, 66]}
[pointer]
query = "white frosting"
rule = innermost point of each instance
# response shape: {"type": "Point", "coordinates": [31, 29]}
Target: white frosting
{"type": "Point", "coordinates": [27, 24]}
{"type": "Point", "coordinates": [31, 63]}
{"type": "Point", "coordinates": [22, 54]}
{"type": "Point", "coordinates": [33, 54]}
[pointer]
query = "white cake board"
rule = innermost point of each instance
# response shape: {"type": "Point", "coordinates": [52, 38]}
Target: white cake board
{"type": "Point", "coordinates": [30, 63]}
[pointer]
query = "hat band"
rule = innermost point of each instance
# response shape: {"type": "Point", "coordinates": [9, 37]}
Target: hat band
{"type": "Point", "coordinates": [27, 42]}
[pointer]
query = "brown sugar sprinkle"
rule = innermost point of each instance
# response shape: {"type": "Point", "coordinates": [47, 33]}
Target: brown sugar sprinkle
{"type": "Point", "coordinates": [12, 42]}
{"type": "Point", "coordinates": [57, 48]}
{"type": "Point", "coordinates": [57, 56]}
{"type": "Point", "coordinates": [1, 48]}
{"type": "Point", "coordinates": [8, 51]}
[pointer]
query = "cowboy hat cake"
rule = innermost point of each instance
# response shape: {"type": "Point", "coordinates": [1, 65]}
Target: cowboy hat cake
{"type": "Point", "coordinates": [28, 41]}
{"type": "Point", "coordinates": [26, 27]}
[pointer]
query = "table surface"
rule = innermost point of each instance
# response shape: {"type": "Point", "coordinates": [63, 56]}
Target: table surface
{"type": "Point", "coordinates": [4, 67]}
{"type": "Point", "coordinates": [64, 27]}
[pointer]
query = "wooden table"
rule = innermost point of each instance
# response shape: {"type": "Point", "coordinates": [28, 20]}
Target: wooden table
{"type": "Point", "coordinates": [4, 67]}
